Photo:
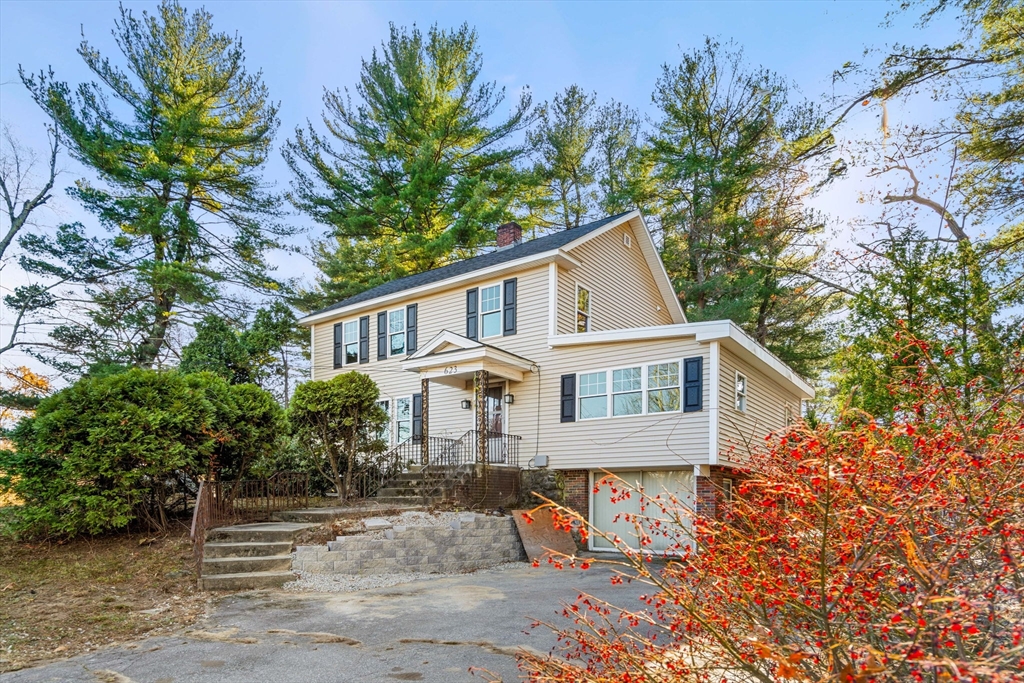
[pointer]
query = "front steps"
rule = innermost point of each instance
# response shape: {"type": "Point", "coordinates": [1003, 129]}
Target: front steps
{"type": "Point", "coordinates": [422, 488]}
{"type": "Point", "coordinates": [248, 556]}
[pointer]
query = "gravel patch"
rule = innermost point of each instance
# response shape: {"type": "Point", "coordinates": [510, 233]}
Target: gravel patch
{"type": "Point", "coordinates": [338, 583]}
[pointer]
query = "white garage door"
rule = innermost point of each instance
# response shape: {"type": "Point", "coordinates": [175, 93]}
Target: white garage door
{"type": "Point", "coordinates": [660, 484]}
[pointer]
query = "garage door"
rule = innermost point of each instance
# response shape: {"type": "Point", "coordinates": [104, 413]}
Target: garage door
{"type": "Point", "coordinates": [660, 484]}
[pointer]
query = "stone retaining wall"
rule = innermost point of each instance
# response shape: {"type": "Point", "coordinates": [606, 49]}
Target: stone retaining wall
{"type": "Point", "coordinates": [471, 542]}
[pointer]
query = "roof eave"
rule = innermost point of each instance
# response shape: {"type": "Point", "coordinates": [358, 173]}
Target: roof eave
{"type": "Point", "coordinates": [554, 255]}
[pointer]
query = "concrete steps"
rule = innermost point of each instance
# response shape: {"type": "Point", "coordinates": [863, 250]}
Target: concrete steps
{"type": "Point", "coordinates": [425, 487]}
{"type": "Point", "coordinates": [249, 556]}
{"type": "Point", "coordinates": [246, 581]}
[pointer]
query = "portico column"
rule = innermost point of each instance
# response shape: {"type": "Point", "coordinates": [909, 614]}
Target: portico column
{"type": "Point", "coordinates": [480, 381]}
{"type": "Point", "coordinates": [425, 424]}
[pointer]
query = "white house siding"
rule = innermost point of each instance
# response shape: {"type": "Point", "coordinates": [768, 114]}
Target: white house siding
{"type": "Point", "coordinates": [436, 312]}
{"type": "Point", "coordinates": [766, 401]}
{"type": "Point", "coordinates": [623, 291]}
{"type": "Point", "coordinates": [669, 440]}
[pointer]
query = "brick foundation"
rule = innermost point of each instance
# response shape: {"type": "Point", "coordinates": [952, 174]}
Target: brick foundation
{"type": "Point", "coordinates": [711, 490]}
{"type": "Point", "coordinates": [577, 491]}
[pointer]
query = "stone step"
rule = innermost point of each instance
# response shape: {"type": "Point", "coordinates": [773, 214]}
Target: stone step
{"type": "Point", "coordinates": [369, 508]}
{"type": "Point", "coordinates": [250, 549]}
{"type": "Point", "coordinates": [246, 581]}
{"type": "Point", "coordinates": [269, 532]}
{"type": "Point", "coordinates": [417, 501]}
{"type": "Point", "coordinates": [214, 566]}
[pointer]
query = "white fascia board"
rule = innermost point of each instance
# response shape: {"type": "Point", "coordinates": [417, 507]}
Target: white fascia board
{"type": "Point", "coordinates": [746, 343]}
{"type": "Point", "coordinates": [440, 339]}
{"type": "Point", "coordinates": [650, 251]}
{"type": "Point", "coordinates": [714, 328]}
{"type": "Point", "coordinates": [479, 353]}
{"type": "Point", "coordinates": [661, 278]}
{"type": "Point", "coordinates": [553, 256]}
{"type": "Point", "coordinates": [703, 332]}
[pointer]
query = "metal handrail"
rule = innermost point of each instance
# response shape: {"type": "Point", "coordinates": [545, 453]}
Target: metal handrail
{"type": "Point", "coordinates": [219, 503]}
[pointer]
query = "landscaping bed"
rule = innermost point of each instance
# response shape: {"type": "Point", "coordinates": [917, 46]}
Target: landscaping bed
{"type": "Point", "coordinates": [62, 599]}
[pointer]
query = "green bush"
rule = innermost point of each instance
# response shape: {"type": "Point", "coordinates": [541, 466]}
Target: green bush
{"type": "Point", "coordinates": [98, 455]}
{"type": "Point", "coordinates": [337, 421]}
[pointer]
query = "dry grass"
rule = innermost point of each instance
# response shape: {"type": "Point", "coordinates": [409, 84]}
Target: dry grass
{"type": "Point", "coordinates": [57, 600]}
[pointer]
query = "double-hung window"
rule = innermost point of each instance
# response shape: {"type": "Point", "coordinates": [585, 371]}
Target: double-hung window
{"type": "Point", "coordinates": [490, 311]}
{"type": "Point", "coordinates": [627, 393]}
{"type": "Point", "coordinates": [741, 392]}
{"type": "Point", "coordinates": [352, 342]}
{"type": "Point", "coordinates": [593, 393]}
{"type": "Point", "coordinates": [403, 418]}
{"type": "Point", "coordinates": [663, 388]}
{"type": "Point", "coordinates": [396, 331]}
{"type": "Point", "coordinates": [385, 430]}
{"type": "Point", "coordinates": [582, 309]}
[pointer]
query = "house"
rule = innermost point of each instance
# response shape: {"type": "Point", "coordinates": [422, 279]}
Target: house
{"type": "Point", "coordinates": [570, 352]}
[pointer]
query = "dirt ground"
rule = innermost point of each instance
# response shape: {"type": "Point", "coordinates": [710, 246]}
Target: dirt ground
{"type": "Point", "coordinates": [63, 599]}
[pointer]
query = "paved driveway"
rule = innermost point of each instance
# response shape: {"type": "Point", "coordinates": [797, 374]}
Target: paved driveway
{"type": "Point", "coordinates": [430, 630]}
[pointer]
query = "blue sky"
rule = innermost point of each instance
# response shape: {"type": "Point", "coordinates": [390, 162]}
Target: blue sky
{"type": "Point", "coordinates": [616, 49]}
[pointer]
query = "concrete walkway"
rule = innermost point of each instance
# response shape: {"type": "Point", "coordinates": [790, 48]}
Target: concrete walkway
{"type": "Point", "coordinates": [428, 630]}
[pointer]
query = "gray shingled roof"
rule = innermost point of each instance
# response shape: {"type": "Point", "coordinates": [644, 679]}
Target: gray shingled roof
{"type": "Point", "coordinates": [527, 248]}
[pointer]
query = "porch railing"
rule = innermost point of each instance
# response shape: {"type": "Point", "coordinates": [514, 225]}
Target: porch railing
{"type": "Point", "coordinates": [220, 503]}
{"type": "Point", "coordinates": [374, 473]}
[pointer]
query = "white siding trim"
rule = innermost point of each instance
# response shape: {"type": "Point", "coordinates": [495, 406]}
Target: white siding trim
{"type": "Point", "coordinates": [312, 357]}
{"type": "Point", "coordinates": [713, 399]}
{"type": "Point", "coordinates": [552, 299]}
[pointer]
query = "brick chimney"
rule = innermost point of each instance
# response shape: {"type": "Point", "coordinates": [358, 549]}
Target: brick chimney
{"type": "Point", "coordinates": [509, 234]}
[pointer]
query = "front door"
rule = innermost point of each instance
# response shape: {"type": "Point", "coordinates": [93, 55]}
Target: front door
{"type": "Point", "coordinates": [495, 413]}
{"type": "Point", "coordinates": [495, 423]}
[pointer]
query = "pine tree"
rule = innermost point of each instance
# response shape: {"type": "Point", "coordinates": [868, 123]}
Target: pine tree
{"type": "Point", "coordinates": [415, 170]}
{"type": "Point", "coordinates": [179, 182]}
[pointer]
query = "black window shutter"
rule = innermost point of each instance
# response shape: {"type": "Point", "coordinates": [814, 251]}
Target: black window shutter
{"type": "Point", "coordinates": [417, 417]}
{"type": "Point", "coordinates": [568, 398]}
{"type": "Point", "coordinates": [382, 336]}
{"type": "Point", "coordinates": [472, 299]}
{"type": "Point", "coordinates": [364, 339]}
{"type": "Point", "coordinates": [338, 345]}
{"type": "Point", "coordinates": [508, 316]}
{"type": "Point", "coordinates": [693, 384]}
{"type": "Point", "coordinates": [410, 327]}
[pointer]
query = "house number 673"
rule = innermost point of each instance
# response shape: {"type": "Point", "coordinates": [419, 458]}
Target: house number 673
{"type": "Point", "coordinates": [451, 369]}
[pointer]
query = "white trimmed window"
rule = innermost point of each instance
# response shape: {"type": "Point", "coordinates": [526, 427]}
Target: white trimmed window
{"type": "Point", "coordinates": [490, 311]}
{"type": "Point", "coordinates": [741, 392]}
{"type": "Point", "coordinates": [351, 337]}
{"type": "Point", "coordinates": [403, 418]}
{"type": "Point", "coordinates": [663, 388]}
{"type": "Point", "coordinates": [627, 391]}
{"type": "Point", "coordinates": [396, 332]}
{"type": "Point", "coordinates": [593, 394]}
{"type": "Point", "coordinates": [727, 494]}
{"type": "Point", "coordinates": [385, 430]}
{"type": "Point", "coordinates": [787, 414]}
{"type": "Point", "coordinates": [582, 309]}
